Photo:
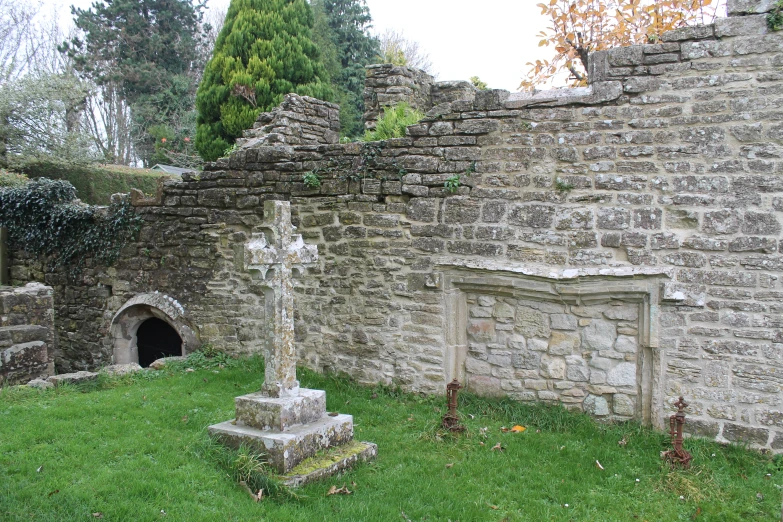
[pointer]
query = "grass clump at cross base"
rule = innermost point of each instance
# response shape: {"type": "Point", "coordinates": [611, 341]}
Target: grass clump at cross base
{"type": "Point", "coordinates": [136, 447]}
{"type": "Point", "coordinates": [393, 122]}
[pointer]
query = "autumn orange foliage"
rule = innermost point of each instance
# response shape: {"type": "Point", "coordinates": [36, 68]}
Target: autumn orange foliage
{"type": "Point", "coordinates": [580, 27]}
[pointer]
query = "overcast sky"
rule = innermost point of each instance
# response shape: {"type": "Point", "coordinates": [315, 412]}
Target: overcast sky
{"type": "Point", "coordinates": [491, 39]}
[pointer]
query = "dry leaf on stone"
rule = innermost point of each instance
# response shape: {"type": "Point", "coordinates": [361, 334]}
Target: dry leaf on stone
{"type": "Point", "coordinates": [497, 447]}
{"type": "Point", "coordinates": [518, 429]}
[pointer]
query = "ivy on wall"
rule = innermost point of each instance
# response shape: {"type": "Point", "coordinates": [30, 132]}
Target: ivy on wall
{"type": "Point", "coordinates": [44, 218]}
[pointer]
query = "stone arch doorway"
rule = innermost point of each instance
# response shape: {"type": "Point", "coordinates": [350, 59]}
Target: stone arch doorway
{"type": "Point", "coordinates": [151, 326]}
{"type": "Point", "coordinates": [155, 339]}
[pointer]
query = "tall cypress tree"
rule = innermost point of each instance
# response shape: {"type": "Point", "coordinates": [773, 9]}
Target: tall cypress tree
{"type": "Point", "coordinates": [341, 33]}
{"type": "Point", "coordinates": [263, 52]}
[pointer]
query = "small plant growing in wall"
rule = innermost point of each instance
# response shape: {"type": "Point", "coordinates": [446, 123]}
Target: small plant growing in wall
{"type": "Point", "coordinates": [312, 180]}
{"type": "Point", "coordinates": [775, 17]}
{"type": "Point", "coordinates": [393, 122]}
{"type": "Point", "coordinates": [454, 182]}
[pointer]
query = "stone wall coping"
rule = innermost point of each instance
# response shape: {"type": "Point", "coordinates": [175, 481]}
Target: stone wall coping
{"type": "Point", "coordinates": [548, 273]}
{"type": "Point", "coordinates": [598, 92]}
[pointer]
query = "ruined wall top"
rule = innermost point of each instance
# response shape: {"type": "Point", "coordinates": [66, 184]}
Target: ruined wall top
{"type": "Point", "coordinates": [299, 120]}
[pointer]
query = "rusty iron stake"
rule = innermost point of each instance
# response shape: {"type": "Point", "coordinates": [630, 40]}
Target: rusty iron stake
{"type": "Point", "coordinates": [451, 419]}
{"type": "Point", "coordinates": [676, 424]}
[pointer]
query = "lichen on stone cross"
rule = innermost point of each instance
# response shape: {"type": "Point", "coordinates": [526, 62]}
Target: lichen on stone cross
{"type": "Point", "coordinates": [274, 253]}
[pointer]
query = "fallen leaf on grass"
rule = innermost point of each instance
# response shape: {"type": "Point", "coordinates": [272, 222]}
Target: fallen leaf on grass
{"type": "Point", "coordinates": [497, 447]}
{"type": "Point", "coordinates": [622, 442]}
{"type": "Point", "coordinates": [450, 465]}
{"type": "Point", "coordinates": [185, 419]}
{"type": "Point", "coordinates": [492, 507]}
{"type": "Point", "coordinates": [481, 443]}
{"type": "Point", "coordinates": [696, 515]}
{"type": "Point", "coordinates": [53, 492]}
{"type": "Point", "coordinates": [599, 466]}
{"type": "Point", "coordinates": [98, 515]}
{"type": "Point", "coordinates": [518, 429]}
{"type": "Point", "coordinates": [40, 468]}
{"type": "Point", "coordinates": [334, 490]}
{"type": "Point", "coordinates": [410, 418]}
{"type": "Point", "coordinates": [189, 370]}
{"type": "Point", "coordinates": [483, 432]}
{"type": "Point", "coordinates": [504, 429]}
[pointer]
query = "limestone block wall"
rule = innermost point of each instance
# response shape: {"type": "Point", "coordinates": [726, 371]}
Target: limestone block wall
{"type": "Point", "coordinates": [649, 202]}
{"type": "Point", "coordinates": [27, 338]}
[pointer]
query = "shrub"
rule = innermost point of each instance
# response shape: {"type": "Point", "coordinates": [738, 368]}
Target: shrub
{"type": "Point", "coordinates": [94, 184]}
{"type": "Point", "coordinates": [393, 122]}
{"type": "Point", "coordinates": [263, 52]}
{"type": "Point", "coordinates": [12, 179]}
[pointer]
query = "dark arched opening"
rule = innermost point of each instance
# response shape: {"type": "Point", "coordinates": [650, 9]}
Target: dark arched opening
{"type": "Point", "coordinates": [156, 338]}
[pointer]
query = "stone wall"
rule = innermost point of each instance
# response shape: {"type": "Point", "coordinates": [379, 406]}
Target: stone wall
{"type": "Point", "coordinates": [27, 338]}
{"type": "Point", "coordinates": [634, 223]}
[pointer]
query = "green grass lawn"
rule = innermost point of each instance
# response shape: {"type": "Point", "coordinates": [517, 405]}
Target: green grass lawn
{"type": "Point", "coordinates": [137, 449]}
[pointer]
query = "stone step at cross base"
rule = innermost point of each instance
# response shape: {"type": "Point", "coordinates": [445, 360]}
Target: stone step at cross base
{"type": "Point", "coordinates": [290, 430]}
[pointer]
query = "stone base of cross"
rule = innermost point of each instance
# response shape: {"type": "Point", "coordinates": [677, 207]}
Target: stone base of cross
{"type": "Point", "coordinates": [287, 423]}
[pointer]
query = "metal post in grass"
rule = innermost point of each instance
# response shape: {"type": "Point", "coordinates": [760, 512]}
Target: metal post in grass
{"type": "Point", "coordinates": [4, 268]}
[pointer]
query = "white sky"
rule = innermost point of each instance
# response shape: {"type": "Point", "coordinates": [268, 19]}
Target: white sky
{"type": "Point", "coordinates": [491, 39]}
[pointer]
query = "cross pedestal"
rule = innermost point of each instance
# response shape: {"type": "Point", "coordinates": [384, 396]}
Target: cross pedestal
{"type": "Point", "coordinates": [287, 423]}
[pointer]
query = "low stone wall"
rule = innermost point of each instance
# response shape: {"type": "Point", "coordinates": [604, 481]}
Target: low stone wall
{"type": "Point", "coordinates": [27, 339]}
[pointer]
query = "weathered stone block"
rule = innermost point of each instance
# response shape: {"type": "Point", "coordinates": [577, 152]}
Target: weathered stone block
{"type": "Point", "coordinates": [553, 367]}
{"type": "Point", "coordinates": [563, 343]}
{"type": "Point", "coordinates": [623, 405]}
{"type": "Point", "coordinates": [577, 369]}
{"type": "Point", "coordinates": [599, 335]}
{"type": "Point", "coordinates": [738, 433]}
{"type": "Point", "coordinates": [624, 374]}
{"type": "Point", "coordinates": [563, 322]}
{"type": "Point", "coordinates": [531, 323]}
{"type": "Point", "coordinates": [596, 405]}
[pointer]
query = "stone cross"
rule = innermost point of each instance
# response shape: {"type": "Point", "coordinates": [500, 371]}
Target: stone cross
{"type": "Point", "coordinates": [278, 250]}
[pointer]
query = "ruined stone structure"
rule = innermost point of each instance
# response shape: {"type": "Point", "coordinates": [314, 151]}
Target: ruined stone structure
{"type": "Point", "coordinates": [610, 248]}
{"type": "Point", "coordinates": [27, 339]}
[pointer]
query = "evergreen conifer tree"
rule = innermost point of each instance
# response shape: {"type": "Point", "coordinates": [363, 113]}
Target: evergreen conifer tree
{"type": "Point", "coordinates": [263, 52]}
{"type": "Point", "coordinates": [341, 33]}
